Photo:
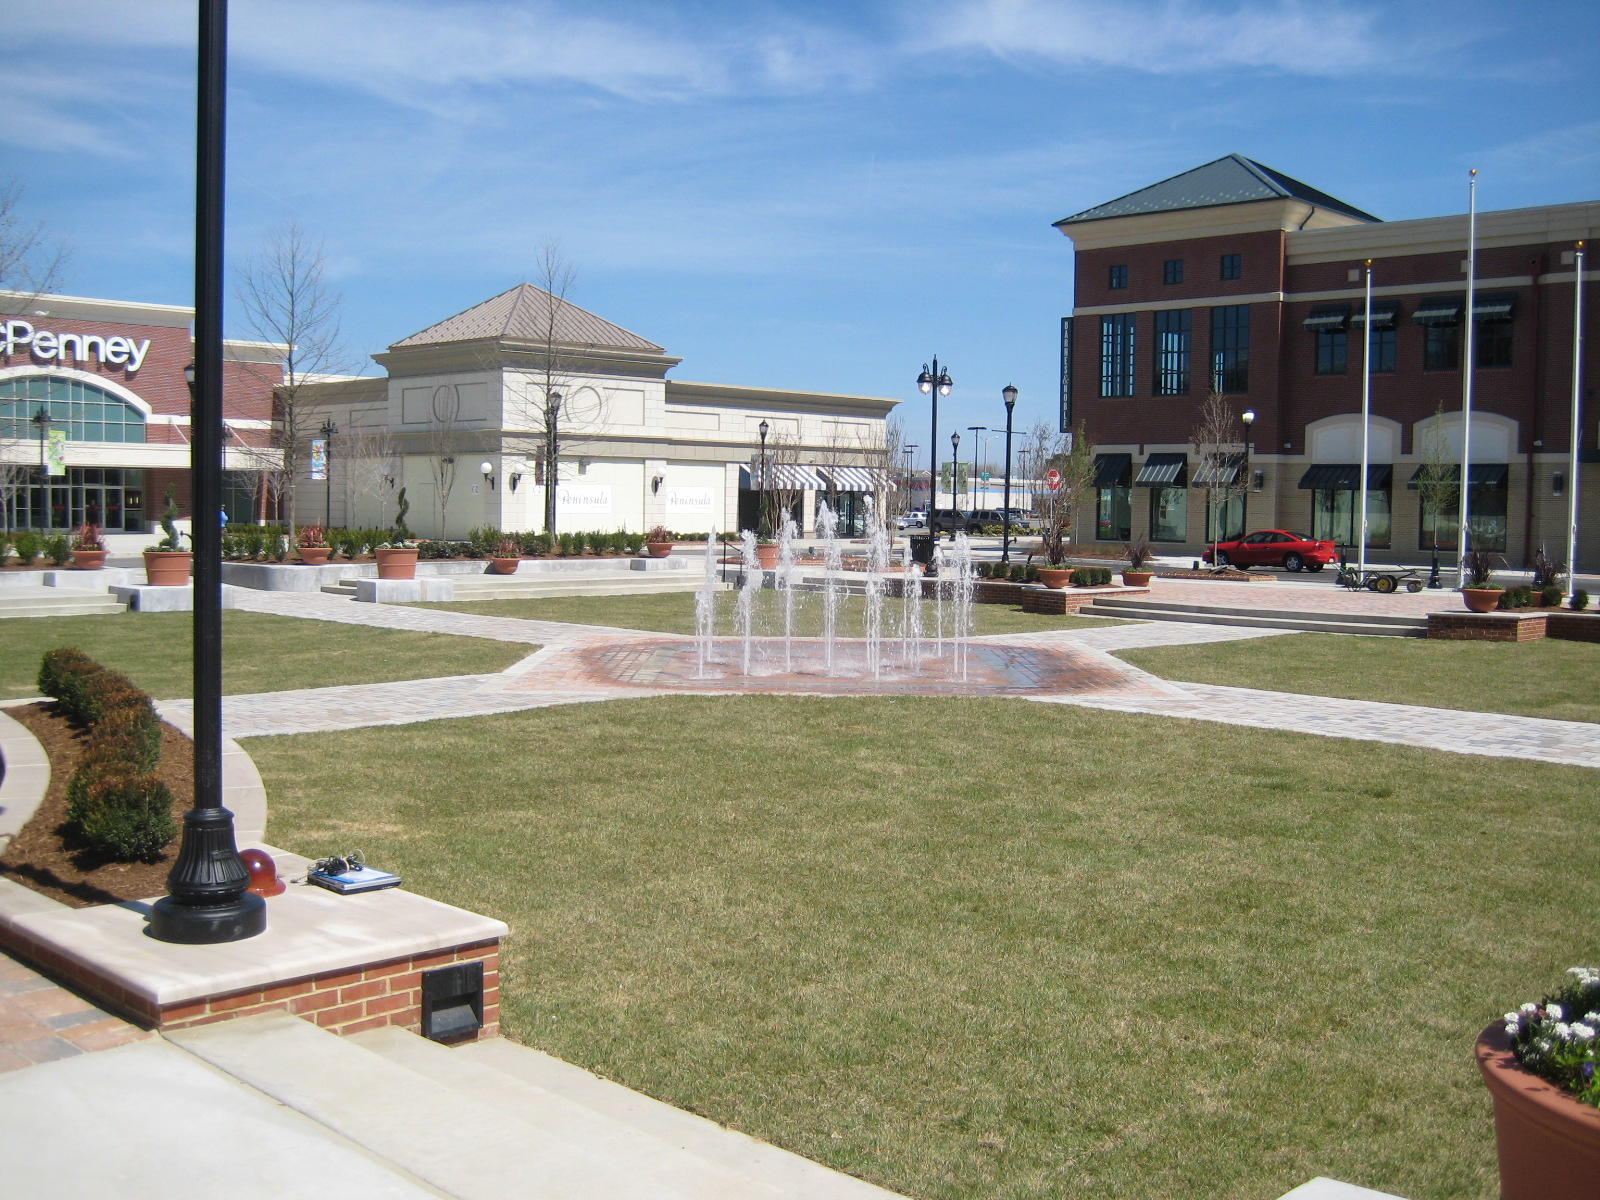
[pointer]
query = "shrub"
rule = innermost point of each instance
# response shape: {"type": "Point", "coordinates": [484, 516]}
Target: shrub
{"type": "Point", "coordinates": [1550, 595]}
{"type": "Point", "coordinates": [255, 544]}
{"type": "Point", "coordinates": [1137, 554]}
{"type": "Point", "coordinates": [568, 544]}
{"type": "Point", "coordinates": [59, 672]}
{"type": "Point", "coordinates": [1030, 573]}
{"type": "Point", "coordinates": [26, 545]}
{"type": "Point", "coordinates": [1519, 596]}
{"type": "Point", "coordinates": [312, 537]}
{"type": "Point", "coordinates": [127, 816]}
{"type": "Point", "coordinates": [1559, 1038]}
{"type": "Point", "coordinates": [659, 533]}
{"type": "Point", "coordinates": [508, 548]}
{"type": "Point", "coordinates": [1091, 576]}
{"type": "Point", "coordinates": [58, 549]}
{"type": "Point", "coordinates": [536, 545]}
{"type": "Point", "coordinates": [1580, 600]}
{"type": "Point", "coordinates": [633, 543]}
{"type": "Point", "coordinates": [481, 542]}
{"type": "Point", "coordinates": [87, 537]}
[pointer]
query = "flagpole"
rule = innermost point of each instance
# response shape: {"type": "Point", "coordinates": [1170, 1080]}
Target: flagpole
{"type": "Point", "coordinates": [1577, 381]}
{"type": "Point", "coordinates": [1366, 421]}
{"type": "Point", "coordinates": [1462, 525]}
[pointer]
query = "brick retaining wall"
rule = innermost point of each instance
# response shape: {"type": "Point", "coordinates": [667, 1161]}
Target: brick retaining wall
{"type": "Point", "coordinates": [1487, 627]}
{"type": "Point", "coordinates": [1577, 627]}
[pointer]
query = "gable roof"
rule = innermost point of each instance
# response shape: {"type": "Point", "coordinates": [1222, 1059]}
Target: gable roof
{"type": "Point", "coordinates": [521, 314]}
{"type": "Point", "coordinates": [1232, 179]}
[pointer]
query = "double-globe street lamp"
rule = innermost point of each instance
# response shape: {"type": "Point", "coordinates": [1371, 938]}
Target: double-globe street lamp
{"type": "Point", "coordinates": [910, 475]}
{"type": "Point", "coordinates": [328, 431]}
{"type": "Point", "coordinates": [933, 384]}
{"type": "Point", "coordinates": [955, 474]}
{"type": "Point", "coordinates": [1009, 395]}
{"type": "Point", "coordinates": [761, 484]}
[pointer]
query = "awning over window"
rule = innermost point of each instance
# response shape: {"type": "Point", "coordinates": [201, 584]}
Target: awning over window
{"type": "Point", "coordinates": [788, 476]}
{"type": "Point", "coordinates": [1112, 470]}
{"type": "Point", "coordinates": [1439, 310]}
{"type": "Point", "coordinates": [852, 479]}
{"type": "Point", "coordinates": [1494, 308]}
{"type": "Point", "coordinates": [1346, 477]}
{"type": "Point", "coordinates": [1385, 313]}
{"type": "Point", "coordinates": [1489, 475]}
{"type": "Point", "coordinates": [1327, 318]}
{"type": "Point", "coordinates": [1162, 470]}
{"type": "Point", "coordinates": [1218, 471]}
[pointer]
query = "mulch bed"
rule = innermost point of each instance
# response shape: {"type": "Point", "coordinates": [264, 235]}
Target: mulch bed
{"type": "Point", "coordinates": [1230, 575]}
{"type": "Point", "coordinates": [38, 857]}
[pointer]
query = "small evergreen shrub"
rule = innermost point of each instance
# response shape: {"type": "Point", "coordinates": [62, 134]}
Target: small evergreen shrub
{"type": "Point", "coordinates": [633, 543]}
{"type": "Point", "coordinates": [1520, 596]}
{"type": "Point", "coordinates": [26, 545]}
{"type": "Point", "coordinates": [1030, 574]}
{"type": "Point", "coordinates": [568, 544]}
{"type": "Point", "coordinates": [1580, 600]}
{"type": "Point", "coordinates": [127, 817]}
{"type": "Point", "coordinates": [1091, 576]}
{"type": "Point", "coordinates": [1550, 595]}
{"type": "Point", "coordinates": [1019, 572]}
{"type": "Point", "coordinates": [536, 545]}
{"type": "Point", "coordinates": [58, 549]}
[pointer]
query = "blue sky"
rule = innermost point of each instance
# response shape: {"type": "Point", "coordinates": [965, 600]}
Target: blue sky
{"type": "Point", "coordinates": [813, 195]}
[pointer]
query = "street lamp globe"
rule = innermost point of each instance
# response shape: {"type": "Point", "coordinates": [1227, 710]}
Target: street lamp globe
{"type": "Point", "coordinates": [945, 383]}
{"type": "Point", "coordinates": [1248, 417]}
{"type": "Point", "coordinates": [925, 381]}
{"type": "Point", "coordinates": [1009, 394]}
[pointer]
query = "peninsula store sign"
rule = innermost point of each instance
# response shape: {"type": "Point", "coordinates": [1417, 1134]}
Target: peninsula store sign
{"type": "Point", "coordinates": [47, 346]}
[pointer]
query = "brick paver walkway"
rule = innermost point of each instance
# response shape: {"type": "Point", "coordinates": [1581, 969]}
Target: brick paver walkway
{"type": "Point", "coordinates": [587, 663]}
{"type": "Point", "coordinates": [40, 1022]}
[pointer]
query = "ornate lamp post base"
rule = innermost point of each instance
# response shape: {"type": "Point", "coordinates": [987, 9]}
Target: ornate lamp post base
{"type": "Point", "coordinates": [208, 900]}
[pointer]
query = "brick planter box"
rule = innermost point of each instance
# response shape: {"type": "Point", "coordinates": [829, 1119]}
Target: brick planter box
{"type": "Point", "coordinates": [1487, 627]}
{"type": "Point", "coordinates": [996, 591]}
{"type": "Point", "coordinates": [1576, 627]}
{"type": "Point", "coordinates": [1068, 600]}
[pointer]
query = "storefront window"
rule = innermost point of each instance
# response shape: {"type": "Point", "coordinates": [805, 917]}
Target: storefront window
{"type": "Point", "coordinates": [1169, 514]}
{"type": "Point", "coordinates": [85, 412]}
{"type": "Point", "coordinates": [1114, 522]}
{"type": "Point", "coordinates": [110, 497]}
{"type": "Point", "coordinates": [1225, 521]}
{"type": "Point", "coordinates": [1333, 516]}
{"type": "Point", "coordinates": [1486, 508]}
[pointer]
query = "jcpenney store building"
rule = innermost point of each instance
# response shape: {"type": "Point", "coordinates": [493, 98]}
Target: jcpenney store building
{"type": "Point", "coordinates": [94, 412]}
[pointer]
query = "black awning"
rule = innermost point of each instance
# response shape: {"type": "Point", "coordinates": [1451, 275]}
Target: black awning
{"type": "Point", "coordinates": [1326, 318]}
{"type": "Point", "coordinates": [1494, 308]}
{"type": "Point", "coordinates": [1218, 471]}
{"type": "Point", "coordinates": [1112, 470]}
{"type": "Point", "coordinates": [1162, 470]}
{"type": "Point", "coordinates": [1439, 310]}
{"type": "Point", "coordinates": [1346, 477]}
{"type": "Point", "coordinates": [1385, 313]}
{"type": "Point", "coordinates": [1489, 475]}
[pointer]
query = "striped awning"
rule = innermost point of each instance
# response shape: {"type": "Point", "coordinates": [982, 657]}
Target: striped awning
{"type": "Point", "coordinates": [787, 476]}
{"type": "Point", "coordinates": [853, 479]}
{"type": "Point", "coordinates": [1385, 314]}
{"type": "Point", "coordinates": [1438, 310]}
{"type": "Point", "coordinates": [1218, 470]}
{"type": "Point", "coordinates": [1488, 475]}
{"type": "Point", "coordinates": [1162, 470]}
{"type": "Point", "coordinates": [1112, 470]}
{"type": "Point", "coordinates": [1346, 477]}
{"type": "Point", "coordinates": [1327, 318]}
{"type": "Point", "coordinates": [1500, 307]}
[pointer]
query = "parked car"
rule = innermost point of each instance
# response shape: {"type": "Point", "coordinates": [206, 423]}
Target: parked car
{"type": "Point", "coordinates": [915, 519]}
{"type": "Point", "coordinates": [1275, 548]}
{"type": "Point", "coordinates": [953, 520]}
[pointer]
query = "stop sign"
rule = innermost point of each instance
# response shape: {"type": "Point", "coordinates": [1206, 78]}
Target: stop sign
{"type": "Point", "coordinates": [1052, 478]}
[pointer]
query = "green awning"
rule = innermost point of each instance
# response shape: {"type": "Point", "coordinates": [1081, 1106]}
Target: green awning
{"type": "Point", "coordinates": [1489, 475]}
{"type": "Point", "coordinates": [1112, 470]}
{"type": "Point", "coordinates": [1346, 477]}
{"type": "Point", "coordinates": [1500, 307]}
{"type": "Point", "coordinates": [1327, 318]}
{"type": "Point", "coordinates": [1439, 310]}
{"type": "Point", "coordinates": [1218, 471]}
{"type": "Point", "coordinates": [1162, 470]}
{"type": "Point", "coordinates": [1385, 314]}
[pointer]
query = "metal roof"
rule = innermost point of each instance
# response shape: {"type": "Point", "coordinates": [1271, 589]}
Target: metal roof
{"type": "Point", "coordinates": [1232, 179]}
{"type": "Point", "coordinates": [523, 314]}
{"type": "Point", "coordinates": [1162, 470]}
{"type": "Point", "coordinates": [1347, 477]}
{"type": "Point", "coordinates": [1112, 470]}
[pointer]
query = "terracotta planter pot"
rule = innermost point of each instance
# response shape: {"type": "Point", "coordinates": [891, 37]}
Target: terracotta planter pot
{"type": "Point", "coordinates": [1548, 1142]}
{"type": "Point", "coordinates": [1137, 578]}
{"type": "Point", "coordinates": [1482, 600]}
{"type": "Point", "coordinates": [89, 560]}
{"type": "Point", "coordinates": [767, 557]}
{"type": "Point", "coordinates": [1055, 577]}
{"type": "Point", "coordinates": [504, 566]}
{"type": "Point", "coordinates": [167, 568]}
{"type": "Point", "coordinates": [315, 556]}
{"type": "Point", "coordinates": [397, 564]}
{"type": "Point", "coordinates": [659, 549]}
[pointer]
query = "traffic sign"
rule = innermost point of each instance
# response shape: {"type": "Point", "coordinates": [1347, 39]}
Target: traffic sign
{"type": "Point", "coordinates": [1052, 479]}
{"type": "Point", "coordinates": [984, 476]}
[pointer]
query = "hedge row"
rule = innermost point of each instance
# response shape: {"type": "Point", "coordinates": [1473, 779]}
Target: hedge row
{"type": "Point", "coordinates": [115, 805]}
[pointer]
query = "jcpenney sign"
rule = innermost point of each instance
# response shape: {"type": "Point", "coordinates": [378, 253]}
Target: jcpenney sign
{"type": "Point", "coordinates": [47, 346]}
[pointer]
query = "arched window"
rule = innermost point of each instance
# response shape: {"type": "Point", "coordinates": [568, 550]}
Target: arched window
{"type": "Point", "coordinates": [87, 413]}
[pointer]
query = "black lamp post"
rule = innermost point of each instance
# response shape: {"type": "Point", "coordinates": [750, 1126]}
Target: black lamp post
{"type": "Point", "coordinates": [329, 430]}
{"type": "Point", "coordinates": [761, 483]}
{"type": "Point", "coordinates": [910, 476]}
{"type": "Point", "coordinates": [552, 459]}
{"type": "Point", "coordinates": [42, 421]}
{"type": "Point", "coordinates": [977, 449]}
{"type": "Point", "coordinates": [1249, 419]}
{"type": "Point", "coordinates": [933, 384]}
{"type": "Point", "coordinates": [955, 472]}
{"type": "Point", "coordinates": [1009, 395]}
{"type": "Point", "coordinates": [206, 899]}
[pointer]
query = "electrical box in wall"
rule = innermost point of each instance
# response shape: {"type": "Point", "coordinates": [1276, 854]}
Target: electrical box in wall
{"type": "Point", "coordinates": [452, 1001]}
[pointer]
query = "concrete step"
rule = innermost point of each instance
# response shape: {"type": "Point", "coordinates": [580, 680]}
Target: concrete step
{"type": "Point", "coordinates": [591, 584]}
{"type": "Point", "coordinates": [60, 604]}
{"type": "Point", "coordinates": [790, 1174]}
{"type": "Point", "coordinates": [1364, 624]}
{"type": "Point", "coordinates": [1154, 602]}
{"type": "Point", "coordinates": [346, 589]}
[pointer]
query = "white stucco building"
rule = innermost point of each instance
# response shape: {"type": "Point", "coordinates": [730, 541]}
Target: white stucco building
{"type": "Point", "coordinates": [636, 449]}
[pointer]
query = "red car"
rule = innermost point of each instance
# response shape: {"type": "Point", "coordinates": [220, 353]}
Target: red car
{"type": "Point", "coordinates": [1275, 548]}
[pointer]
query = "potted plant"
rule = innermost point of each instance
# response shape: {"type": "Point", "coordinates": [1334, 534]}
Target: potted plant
{"type": "Point", "coordinates": [88, 548]}
{"type": "Point", "coordinates": [314, 548]}
{"type": "Point", "coordinates": [507, 557]}
{"type": "Point", "coordinates": [1480, 593]}
{"type": "Point", "coordinates": [1137, 554]}
{"type": "Point", "coordinates": [659, 541]}
{"type": "Point", "coordinates": [1542, 1067]}
{"type": "Point", "coordinates": [396, 559]}
{"type": "Point", "coordinates": [1053, 548]}
{"type": "Point", "coordinates": [167, 563]}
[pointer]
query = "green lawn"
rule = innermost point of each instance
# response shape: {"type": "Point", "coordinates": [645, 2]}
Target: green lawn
{"type": "Point", "coordinates": [261, 653]}
{"type": "Point", "coordinates": [673, 612]}
{"type": "Point", "coordinates": [1555, 679]}
{"type": "Point", "coordinates": [985, 948]}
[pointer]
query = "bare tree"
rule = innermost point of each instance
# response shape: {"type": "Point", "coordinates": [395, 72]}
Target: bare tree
{"type": "Point", "coordinates": [369, 463]}
{"type": "Point", "coordinates": [442, 450]}
{"type": "Point", "coordinates": [31, 262]}
{"type": "Point", "coordinates": [1218, 439]}
{"type": "Point", "coordinates": [1438, 480]}
{"type": "Point", "coordinates": [1068, 455]}
{"type": "Point", "coordinates": [287, 299]}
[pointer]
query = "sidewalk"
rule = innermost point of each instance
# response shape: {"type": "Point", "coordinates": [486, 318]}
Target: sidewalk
{"type": "Point", "coordinates": [41, 1022]}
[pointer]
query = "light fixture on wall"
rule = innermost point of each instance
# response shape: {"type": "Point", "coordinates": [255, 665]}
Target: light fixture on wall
{"type": "Point", "coordinates": [583, 466]}
{"type": "Point", "coordinates": [655, 483]}
{"type": "Point", "coordinates": [1558, 483]}
{"type": "Point", "coordinates": [486, 468]}
{"type": "Point", "coordinates": [516, 475]}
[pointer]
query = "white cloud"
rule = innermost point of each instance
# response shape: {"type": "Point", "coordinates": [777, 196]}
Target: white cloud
{"type": "Point", "coordinates": [1163, 36]}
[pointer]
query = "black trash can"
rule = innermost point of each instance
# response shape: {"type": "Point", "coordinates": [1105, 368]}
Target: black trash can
{"type": "Point", "coordinates": [922, 550]}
